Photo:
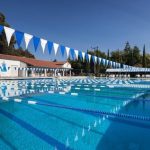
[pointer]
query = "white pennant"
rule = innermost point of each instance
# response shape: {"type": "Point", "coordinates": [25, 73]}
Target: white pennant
{"type": "Point", "coordinates": [55, 45]}
{"type": "Point", "coordinates": [9, 32]}
{"type": "Point", "coordinates": [83, 55]}
{"type": "Point", "coordinates": [104, 61]}
{"type": "Point", "coordinates": [43, 44]}
{"type": "Point", "coordinates": [27, 38]}
{"type": "Point", "coordinates": [89, 56]}
{"type": "Point", "coordinates": [95, 59]}
{"type": "Point", "coordinates": [67, 51]}
{"type": "Point", "coordinates": [107, 62]}
{"type": "Point", "coordinates": [76, 53]}
{"type": "Point", "coordinates": [111, 63]}
{"type": "Point", "coordinates": [100, 60]}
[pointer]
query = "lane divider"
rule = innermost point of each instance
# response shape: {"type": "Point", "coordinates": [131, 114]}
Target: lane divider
{"type": "Point", "coordinates": [99, 112]}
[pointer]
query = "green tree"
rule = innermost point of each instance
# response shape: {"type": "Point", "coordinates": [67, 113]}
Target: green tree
{"type": "Point", "coordinates": [127, 54]}
{"type": "Point", "coordinates": [4, 48]}
{"type": "Point", "coordinates": [136, 57]}
{"type": "Point", "coordinates": [144, 58]}
{"type": "Point", "coordinates": [108, 55]}
{"type": "Point", "coordinates": [147, 58]}
{"type": "Point", "coordinates": [10, 50]}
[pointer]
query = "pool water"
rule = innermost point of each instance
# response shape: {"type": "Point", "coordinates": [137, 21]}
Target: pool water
{"type": "Point", "coordinates": [81, 114]}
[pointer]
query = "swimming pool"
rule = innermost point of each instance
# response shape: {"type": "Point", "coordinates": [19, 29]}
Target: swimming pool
{"type": "Point", "coordinates": [82, 114]}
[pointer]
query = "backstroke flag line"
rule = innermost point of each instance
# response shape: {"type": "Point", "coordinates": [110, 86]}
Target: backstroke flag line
{"type": "Point", "coordinates": [9, 32]}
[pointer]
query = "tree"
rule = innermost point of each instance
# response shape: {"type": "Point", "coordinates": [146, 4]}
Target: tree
{"type": "Point", "coordinates": [127, 55]}
{"type": "Point", "coordinates": [147, 59]}
{"type": "Point", "coordinates": [10, 50]}
{"type": "Point", "coordinates": [144, 58]}
{"type": "Point", "coordinates": [116, 56]}
{"type": "Point", "coordinates": [108, 54]}
{"type": "Point", "coordinates": [4, 48]}
{"type": "Point", "coordinates": [136, 57]}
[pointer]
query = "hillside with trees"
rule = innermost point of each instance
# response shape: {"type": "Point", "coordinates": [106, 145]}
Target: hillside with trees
{"type": "Point", "coordinates": [11, 50]}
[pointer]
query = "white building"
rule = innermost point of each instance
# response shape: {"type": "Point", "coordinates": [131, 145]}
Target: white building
{"type": "Point", "coordinates": [15, 66]}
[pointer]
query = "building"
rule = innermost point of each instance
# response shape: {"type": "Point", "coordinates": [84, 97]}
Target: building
{"type": "Point", "coordinates": [15, 66]}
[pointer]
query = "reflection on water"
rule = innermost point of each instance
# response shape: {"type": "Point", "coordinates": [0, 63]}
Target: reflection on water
{"type": "Point", "coordinates": [18, 88]}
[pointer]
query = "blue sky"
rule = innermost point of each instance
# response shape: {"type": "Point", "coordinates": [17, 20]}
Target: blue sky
{"type": "Point", "coordinates": [80, 24]}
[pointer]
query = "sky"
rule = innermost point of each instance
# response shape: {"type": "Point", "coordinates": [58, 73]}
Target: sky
{"type": "Point", "coordinates": [81, 24]}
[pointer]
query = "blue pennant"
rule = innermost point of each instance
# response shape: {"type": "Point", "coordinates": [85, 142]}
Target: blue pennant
{"type": "Point", "coordinates": [19, 37]}
{"type": "Point", "coordinates": [93, 59]}
{"type": "Point", "coordinates": [106, 62]}
{"type": "Point", "coordinates": [1, 29]}
{"type": "Point", "coordinates": [36, 41]}
{"type": "Point", "coordinates": [72, 53]}
{"type": "Point", "coordinates": [110, 63]}
{"type": "Point", "coordinates": [50, 45]}
{"type": "Point", "coordinates": [80, 55]}
{"type": "Point", "coordinates": [62, 48]}
{"type": "Point", "coordinates": [87, 57]}
{"type": "Point", "coordinates": [103, 61]}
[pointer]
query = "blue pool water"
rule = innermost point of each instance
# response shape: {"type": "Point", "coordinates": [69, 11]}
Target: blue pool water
{"type": "Point", "coordinates": [81, 114]}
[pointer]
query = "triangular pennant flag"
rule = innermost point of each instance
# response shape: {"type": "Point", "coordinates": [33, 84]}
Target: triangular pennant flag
{"type": "Point", "coordinates": [106, 63]}
{"type": "Point", "coordinates": [89, 57]}
{"type": "Point", "coordinates": [19, 37]}
{"type": "Point", "coordinates": [36, 41]}
{"type": "Point", "coordinates": [113, 64]}
{"type": "Point", "coordinates": [117, 65]}
{"type": "Point", "coordinates": [43, 44]}
{"type": "Point", "coordinates": [80, 55]}
{"type": "Point", "coordinates": [27, 38]}
{"type": "Point", "coordinates": [110, 63]}
{"type": "Point", "coordinates": [72, 53]}
{"type": "Point", "coordinates": [86, 57]}
{"type": "Point", "coordinates": [95, 58]}
{"type": "Point", "coordinates": [9, 32]}
{"type": "Point", "coordinates": [50, 45]}
{"type": "Point", "coordinates": [1, 29]}
{"type": "Point", "coordinates": [67, 51]}
{"type": "Point", "coordinates": [55, 45]}
{"type": "Point", "coordinates": [99, 60]}
{"type": "Point", "coordinates": [83, 55]}
{"type": "Point", "coordinates": [103, 61]}
{"type": "Point", "coordinates": [76, 53]}
{"type": "Point", "coordinates": [62, 49]}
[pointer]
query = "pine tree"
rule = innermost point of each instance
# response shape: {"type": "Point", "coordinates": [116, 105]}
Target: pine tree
{"type": "Point", "coordinates": [108, 55]}
{"type": "Point", "coordinates": [144, 59]}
